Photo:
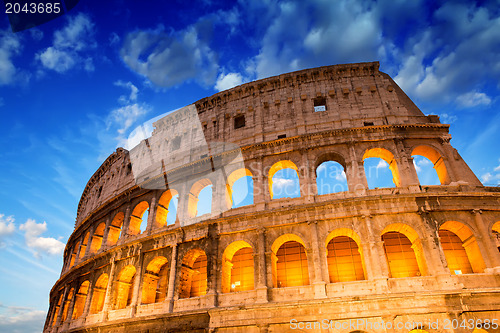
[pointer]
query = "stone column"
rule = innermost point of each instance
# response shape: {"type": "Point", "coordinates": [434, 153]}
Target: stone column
{"type": "Point", "coordinates": [376, 246]}
{"type": "Point", "coordinates": [432, 251]}
{"type": "Point", "coordinates": [305, 179]}
{"type": "Point", "coordinates": [137, 290]}
{"type": "Point", "coordinates": [126, 222]}
{"type": "Point", "coordinates": [492, 257]}
{"type": "Point", "coordinates": [262, 286]}
{"type": "Point", "coordinates": [89, 241]}
{"type": "Point", "coordinates": [212, 267]}
{"type": "Point", "coordinates": [106, 232]}
{"type": "Point", "coordinates": [61, 307]}
{"type": "Point", "coordinates": [88, 301]}
{"type": "Point", "coordinates": [151, 215]}
{"type": "Point", "coordinates": [259, 182]}
{"type": "Point", "coordinates": [182, 205]}
{"type": "Point", "coordinates": [109, 289]}
{"type": "Point", "coordinates": [71, 305]}
{"type": "Point", "coordinates": [171, 279]}
{"type": "Point", "coordinates": [318, 282]}
{"type": "Point", "coordinates": [404, 165]}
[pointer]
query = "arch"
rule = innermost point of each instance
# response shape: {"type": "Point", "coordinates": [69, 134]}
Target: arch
{"type": "Point", "coordinates": [281, 165]}
{"type": "Point", "coordinates": [56, 310]}
{"type": "Point", "coordinates": [115, 228]}
{"type": "Point", "coordinates": [124, 289]}
{"type": "Point", "coordinates": [162, 209]}
{"type": "Point", "coordinates": [99, 293]}
{"type": "Point", "coordinates": [96, 242]}
{"type": "Point", "coordinates": [289, 261]}
{"type": "Point", "coordinates": [386, 156]}
{"type": "Point", "coordinates": [194, 194]}
{"type": "Point", "coordinates": [403, 250]}
{"type": "Point", "coordinates": [436, 159]}
{"type": "Point", "coordinates": [234, 177]}
{"type": "Point", "coordinates": [462, 254]}
{"type": "Point", "coordinates": [67, 302]}
{"type": "Point", "coordinates": [83, 245]}
{"type": "Point", "coordinates": [155, 281]}
{"type": "Point", "coordinates": [331, 177]}
{"type": "Point", "coordinates": [237, 267]}
{"type": "Point", "coordinates": [81, 297]}
{"type": "Point", "coordinates": [345, 256]}
{"type": "Point", "coordinates": [74, 254]}
{"type": "Point", "coordinates": [137, 217]}
{"type": "Point", "coordinates": [193, 274]}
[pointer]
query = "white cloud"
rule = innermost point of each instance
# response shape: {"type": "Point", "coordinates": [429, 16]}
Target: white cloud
{"type": "Point", "coordinates": [127, 115]}
{"type": "Point", "coordinates": [16, 319]}
{"type": "Point", "coordinates": [492, 178]}
{"type": "Point", "coordinates": [382, 164]}
{"type": "Point", "coordinates": [472, 99]}
{"type": "Point", "coordinates": [32, 232]}
{"type": "Point", "coordinates": [10, 45]}
{"type": "Point", "coordinates": [340, 176]}
{"type": "Point", "coordinates": [7, 226]}
{"type": "Point", "coordinates": [133, 92]}
{"type": "Point", "coordinates": [227, 81]}
{"type": "Point", "coordinates": [168, 59]}
{"type": "Point", "coordinates": [69, 45]}
{"type": "Point", "coordinates": [279, 183]}
{"type": "Point", "coordinates": [446, 118]}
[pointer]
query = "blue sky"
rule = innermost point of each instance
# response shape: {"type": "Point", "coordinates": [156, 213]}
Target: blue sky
{"type": "Point", "coordinates": [73, 89]}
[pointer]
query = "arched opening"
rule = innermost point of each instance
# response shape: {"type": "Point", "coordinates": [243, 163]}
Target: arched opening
{"type": "Point", "coordinates": [237, 267]}
{"type": "Point", "coordinates": [155, 281]}
{"type": "Point", "coordinates": [166, 211]}
{"type": "Point", "coordinates": [284, 180]}
{"type": "Point", "coordinates": [193, 274]}
{"type": "Point", "coordinates": [344, 256]}
{"type": "Point", "coordinates": [460, 248]}
{"type": "Point", "coordinates": [432, 158]}
{"type": "Point", "coordinates": [331, 177]}
{"type": "Point", "coordinates": [404, 252]}
{"type": "Point", "coordinates": [81, 297]}
{"type": "Point", "coordinates": [200, 198]}
{"type": "Point", "coordinates": [56, 310]}
{"type": "Point", "coordinates": [239, 188]}
{"type": "Point", "coordinates": [381, 169]}
{"type": "Point", "coordinates": [96, 243]}
{"type": "Point", "coordinates": [139, 218]}
{"type": "Point", "coordinates": [99, 293]}
{"type": "Point", "coordinates": [496, 234]}
{"type": "Point", "coordinates": [74, 255]}
{"type": "Point", "coordinates": [124, 287]}
{"type": "Point", "coordinates": [69, 298]}
{"type": "Point", "coordinates": [83, 245]}
{"type": "Point", "coordinates": [289, 262]}
{"type": "Point", "coordinates": [115, 229]}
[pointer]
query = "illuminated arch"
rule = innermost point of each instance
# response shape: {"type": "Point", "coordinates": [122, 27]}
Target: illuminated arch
{"type": "Point", "coordinates": [345, 256]}
{"type": "Point", "coordinates": [437, 160]}
{"type": "Point", "coordinates": [285, 164]}
{"type": "Point", "coordinates": [237, 267]}
{"type": "Point", "coordinates": [115, 229]}
{"type": "Point", "coordinates": [462, 253]}
{"type": "Point", "coordinates": [155, 281]}
{"type": "Point", "coordinates": [231, 179]}
{"type": "Point", "coordinates": [81, 297]}
{"type": "Point", "coordinates": [67, 302]}
{"type": "Point", "coordinates": [99, 293]}
{"type": "Point", "coordinates": [193, 274]}
{"type": "Point", "coordinates": [74, 254]}
{"type": "Point", "coordinates": [162, 207]}
{"type": "Point", "coordinates": [83, 245]}
{"type": "Point", "coordinates": [193, 195]}
{"type": "Point", "coordinates": [96, 243]}
{"type": "Point", "coordinates": [56, 310]}
{"type": "Point", "coordinates": [340, 183]}
{"type": "Point", "coordinates": [388, 157]}
{"type": "Point", "coordinates": [124, 289]}
{"type": "Point", "coordinates": [404, 251]}
{"type": "Point", "coordinates": [289, 262]}
{"type": "Point", "coordinates": [136, 219]}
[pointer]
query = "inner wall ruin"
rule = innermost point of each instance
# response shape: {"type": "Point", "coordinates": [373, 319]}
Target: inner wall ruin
{"type": "Point", "coordinates": [360, 259]}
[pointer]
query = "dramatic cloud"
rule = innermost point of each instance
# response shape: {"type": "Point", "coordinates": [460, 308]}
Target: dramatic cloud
{"type": "Point", "coordinates": [170, 58]}
{"type": "Point", "coordinates": [32, 232]}
{"type": "Point", "coordinates": [69, 46]}
{"type": "Point", "coordinates": [127, 115]}
{"type": "Point", "coordinates": [228, 81]}
{"type": "Point", "coordinates": [472, 99]}
{"type": "Point", "coordinates": [9, 47]}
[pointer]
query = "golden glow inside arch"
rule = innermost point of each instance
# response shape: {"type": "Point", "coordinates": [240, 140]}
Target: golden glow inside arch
{"type": "Point", "coordinates": [285, 164]}
{"type": "Point", "coordinates": [83, 245]}
{"type": "Point", "coordinates": [81, 298]}
{"type": "Point", "coordinates": [136, 217]}
{"type": "Point", "coordinates": [99, 293]}
{"type": "Point", "coordinates": [469, 243]}
{"type": "Point", "coordinates": [162, 207]}
{"type": "Point", "coordinates": [155, 281]}
{"type": "Point", "coordinates": [237, 267]}
{"type": "Point", "coordinates": [124, 287]}
{"type": "Point", "coordinates": [194, 193]}
{"type": "Point", "coordinates": [345, 259]}
{"type": "Point", "coordinates": [115, 228]}
{"type": "Point", "coordinates": [437, 160]}
{"type": "Point", "coordinates": [97, 238]}
{"type": "Point", "coordinates": [388, 157]}
{"type": "Point", "coordinates": [193, 274]}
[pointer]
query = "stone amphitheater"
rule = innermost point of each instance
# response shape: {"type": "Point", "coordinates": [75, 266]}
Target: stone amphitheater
{"type": "Point", "coordinates": [406, 258]}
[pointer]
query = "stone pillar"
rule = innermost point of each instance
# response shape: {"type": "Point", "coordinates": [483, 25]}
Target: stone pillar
{"type": "Point", "coordinates": [259, 182]}
{"type": "Point", "coordinates": [376, 246]}
{"type": "Point", "coordinates": [404, 166]}
{"type": "Point", "coordinates": [89, 240]}
{"type": "Point", "coordinates": [109, 289]}
{"type": "Point", "coordinates": [61, 307]}
{"type": "Point", "coordinates": [126, 222]}
{"type": "Point", "coordinates": [262, 286]}
{"type": "Point", "coordinates": [492, 257]}
{"type": "Point", "coordinates": [106, 232]}
{"type": "Point", "coordinates": [432, 251]}
{"type": "Point", "coordinates": [137, 290]}
{"type": "Point", "coordinates": [88, 301]}
{"type": "Point", "coordinates": [355, 173]}
{"type": "Point", "coordinates": [318, 282]}
{"type": "Point", "coordinates": [171, 279]}
{"type": "Point", "coordinates": [151, 215]}
{"type": "Point", "coordinates": [182, 205]}
{"type": "Point", "coordinates": [306, 184]}
{"type": "Point", "coordinates": [219, 203]}
{"type": "Point", "coordinates": [212, 267]}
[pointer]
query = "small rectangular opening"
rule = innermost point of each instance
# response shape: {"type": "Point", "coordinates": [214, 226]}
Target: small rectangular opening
{"type": "Point", "coordinates": [319, 104]}
{"type": "Point", "coordinates": [176, 143]}
{"type": "Point", "coordinates": [239, 121]}
{"type": "Point", "coordinates": [281, 136]}
{"type": "Point", "coordinates": [368, 123]}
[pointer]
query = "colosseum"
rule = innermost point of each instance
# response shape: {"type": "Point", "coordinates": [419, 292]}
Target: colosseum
{"type": "Point", "coordinates": [149, 253]}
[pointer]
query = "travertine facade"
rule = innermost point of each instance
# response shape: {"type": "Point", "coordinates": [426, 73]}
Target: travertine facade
{"type": "Point", "coordinates": [411, 253]}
